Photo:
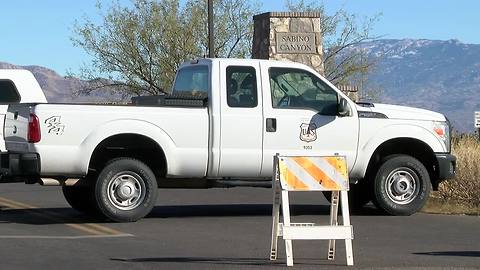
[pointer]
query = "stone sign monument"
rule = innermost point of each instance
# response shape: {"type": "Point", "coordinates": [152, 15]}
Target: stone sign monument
{"type": "Point", "coordinates": [294, 36]}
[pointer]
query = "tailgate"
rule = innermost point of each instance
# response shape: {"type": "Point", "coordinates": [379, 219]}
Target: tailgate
{"type": "Point", "coordinates": [16, 127]}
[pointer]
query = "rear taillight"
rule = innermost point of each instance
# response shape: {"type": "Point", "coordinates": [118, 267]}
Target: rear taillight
{"type": "Point", "coordinates": [34, 134]}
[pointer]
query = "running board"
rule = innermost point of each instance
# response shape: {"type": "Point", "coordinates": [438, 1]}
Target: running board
{"type": "Point", "coordinates": [242, 183]}
{"type": "Point", "coordinates": [202, 183]}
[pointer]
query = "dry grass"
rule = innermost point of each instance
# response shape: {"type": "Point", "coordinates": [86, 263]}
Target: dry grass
{"type": "Point", "coordinates": [450, 207]}
{"type": "Point", "coordinates": [460, 195]}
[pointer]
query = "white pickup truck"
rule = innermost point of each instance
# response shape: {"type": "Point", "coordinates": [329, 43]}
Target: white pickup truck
{"type": "Point", "coordinates": [222, 125]}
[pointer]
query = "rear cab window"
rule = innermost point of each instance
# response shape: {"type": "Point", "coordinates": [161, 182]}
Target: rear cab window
{"type": "Point", "coordinates": [192, 80]}
{"type": "Point", "coordinates": [8, 92]}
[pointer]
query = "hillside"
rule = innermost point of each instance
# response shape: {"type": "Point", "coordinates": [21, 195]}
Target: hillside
{"type": "Point", "coordinates": [59, 89]}
{"type": "Point", "coordinates": [442, 76]}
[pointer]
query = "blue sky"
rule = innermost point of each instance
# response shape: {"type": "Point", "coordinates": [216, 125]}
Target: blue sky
{"type": "Point", "coordinates": [37, 32]}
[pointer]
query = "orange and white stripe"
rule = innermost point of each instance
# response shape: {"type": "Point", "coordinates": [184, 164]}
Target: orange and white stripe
{"type": "Point", "coordinates": [313, 173]}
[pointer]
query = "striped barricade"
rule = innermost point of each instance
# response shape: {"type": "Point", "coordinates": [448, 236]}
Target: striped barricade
{"type": "Point", "coordinates": [294, 173]}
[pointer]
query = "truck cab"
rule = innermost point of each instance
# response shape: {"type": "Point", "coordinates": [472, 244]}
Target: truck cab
{"type": "Point", "coordinates": [260, 108]}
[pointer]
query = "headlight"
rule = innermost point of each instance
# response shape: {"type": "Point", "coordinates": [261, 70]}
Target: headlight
{"type": "Point", "coordinates": [442, 130]}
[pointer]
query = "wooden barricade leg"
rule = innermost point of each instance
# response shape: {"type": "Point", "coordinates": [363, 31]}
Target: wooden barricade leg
{"type": "Point", "coordinates": [286, 222]}
{"type": "Point", "coordinates": [275, 219]}
{"type": "Point", "coordinates": [333, 222]}
{"type": "Point", "coordinates": [346, 222]}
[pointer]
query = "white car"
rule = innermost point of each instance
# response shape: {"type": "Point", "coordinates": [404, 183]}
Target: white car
{"type": "Point", "coordinates": [222, 125]}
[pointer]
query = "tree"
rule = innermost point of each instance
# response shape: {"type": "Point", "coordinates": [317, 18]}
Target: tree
{"type": "Point", "coordinates": [233, 27]}
{"type": "Point", "coordinates": [139, 48]}
{"type": "Point", "coordinates": [344, 62]}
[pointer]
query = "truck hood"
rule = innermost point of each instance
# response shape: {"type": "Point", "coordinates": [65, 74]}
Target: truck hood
{"type": "Point", "coordinates": [403, 112]}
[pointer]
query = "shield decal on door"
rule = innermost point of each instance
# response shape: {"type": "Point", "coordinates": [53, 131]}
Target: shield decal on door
{"type": "Point", "coordinates": [308, 132]}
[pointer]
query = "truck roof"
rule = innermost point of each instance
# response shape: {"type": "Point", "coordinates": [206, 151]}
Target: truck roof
{"type": "Point", "coordinates": [246, 61]}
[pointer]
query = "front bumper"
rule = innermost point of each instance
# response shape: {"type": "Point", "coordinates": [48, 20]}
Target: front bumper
{"type": "Point", "coordinates": [16, 167]}
{"type": "Point", "coordinates": [446, 166]}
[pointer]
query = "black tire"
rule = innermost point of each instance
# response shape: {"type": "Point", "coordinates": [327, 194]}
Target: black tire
{"type": "Point", "coordinates": [80, 198]}
{"type": "Point", "coordinates": [125, 190]}
{"type": "Point", "coordinates": [358, 196]}
{"type": "Point", "coordinates": [402, 185]}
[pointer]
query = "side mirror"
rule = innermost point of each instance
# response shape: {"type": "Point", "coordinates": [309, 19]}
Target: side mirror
{"type": "Point", "coordinates": [343, 108]}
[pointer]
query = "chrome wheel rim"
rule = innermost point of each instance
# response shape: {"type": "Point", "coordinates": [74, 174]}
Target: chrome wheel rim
{"type": "Point", "coordinates": [401, 186]}
{"type": "Point", "coordinates": [126, 190]}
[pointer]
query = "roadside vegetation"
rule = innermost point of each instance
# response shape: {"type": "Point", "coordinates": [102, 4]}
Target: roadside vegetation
{"type": "Point", "coordinates": [460, 195]}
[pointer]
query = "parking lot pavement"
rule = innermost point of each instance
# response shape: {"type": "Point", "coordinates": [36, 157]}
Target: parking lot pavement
{"type": "Point", "coordinates": [219, 229]}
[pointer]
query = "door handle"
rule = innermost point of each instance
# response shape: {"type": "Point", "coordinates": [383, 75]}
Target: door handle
{"type": "Point", "coordinates": [271, 125]}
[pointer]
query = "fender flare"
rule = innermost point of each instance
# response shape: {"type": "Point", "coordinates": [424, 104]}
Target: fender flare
{"type": "Point", "coordinates": [398, 131]}
{"type": "Point", "coordinates": [126, 126]}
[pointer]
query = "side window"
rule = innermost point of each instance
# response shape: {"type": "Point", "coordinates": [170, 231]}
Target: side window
{"type": "Point", "coordinates": [296, 88]}
{"type": "Point", "coordinates": [8, 92]}
{"type": "Point", "coordinates": [192, 80]}
{"type": "Point", "coordinates": [241, 87]}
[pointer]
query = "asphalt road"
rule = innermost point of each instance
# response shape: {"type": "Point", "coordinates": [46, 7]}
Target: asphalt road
{"type": "Point", "coordinates": [219, 229]}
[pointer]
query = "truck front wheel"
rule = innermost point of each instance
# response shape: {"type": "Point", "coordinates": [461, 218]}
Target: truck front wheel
{"type": "Point", "coordinates": [125, 190]}
{"type": "Point", "coordinates": [402, 185]}
{"type": "Point", "coordinates": [358, 196]}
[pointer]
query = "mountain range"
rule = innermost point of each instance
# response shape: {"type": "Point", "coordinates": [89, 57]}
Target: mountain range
{"type": "Point", "coordinates": [442, 76]}
{"type": "Point", "coordinates": [63, 89]}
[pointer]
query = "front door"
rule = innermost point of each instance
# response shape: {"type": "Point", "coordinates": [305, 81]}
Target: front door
{"type": "Point", "coordinates": [300, 114]}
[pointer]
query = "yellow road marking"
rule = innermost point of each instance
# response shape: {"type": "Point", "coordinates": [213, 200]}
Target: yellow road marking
{"type": "Point", "coordinates": [8, 205]}
{"type": "Point", "coordinates": [104, 229]}
{"type": "Point", "coordinates": [65, 237]}
{"type": "Point", "coordinates": [83, 228]}
{"type": "Point", "coordinates": [14, 204]}
{"type": "Point", "coordinates": [91, 228]}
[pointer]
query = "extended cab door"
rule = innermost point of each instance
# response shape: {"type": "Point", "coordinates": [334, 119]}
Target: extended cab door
{"type": "Point", "coordinates": [300, 114]}
{"type": "Point", "coordinates": [241, 124]}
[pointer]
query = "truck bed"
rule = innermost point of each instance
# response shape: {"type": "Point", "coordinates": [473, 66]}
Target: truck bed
{"type": "Point", "coordinates": [181, 130]}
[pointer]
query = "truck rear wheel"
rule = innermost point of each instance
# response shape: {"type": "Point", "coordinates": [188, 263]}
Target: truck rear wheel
{"type": "Point", "coordinates": [126, 190]}
{"type": "Point", "coordinates": [402, 185]}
